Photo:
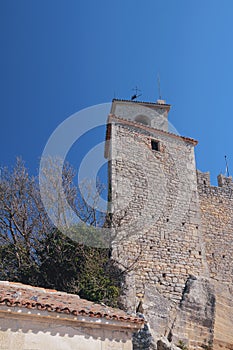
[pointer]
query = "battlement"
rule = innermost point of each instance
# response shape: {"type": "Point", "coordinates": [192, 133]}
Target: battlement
{"type": "Point", "coordinates": [216, 207]}
{"type": "Point", "coordinates": [224, 182]}
{"type": "Point", "coordinates": [203, 178]}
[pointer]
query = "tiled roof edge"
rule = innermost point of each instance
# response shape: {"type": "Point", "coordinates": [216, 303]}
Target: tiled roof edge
{"type": "Point", "coordinates": [143, 102]}
{"type": "Point", "coordinates": [28, 304]}
{"type": "Point", "coordinates": [13, 294]}
{"type": "Point", "coordinates": [149, 128]}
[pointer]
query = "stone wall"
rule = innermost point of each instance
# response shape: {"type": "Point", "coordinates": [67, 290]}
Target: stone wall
{"type": "Point", "coordinates": [174, 236]}
{"type": "Point", "coordinates": [216, 204]}
{"type": "Point", "coordinates": [155, 201]}
{"type": "Point", "coordinates": [223, 326]}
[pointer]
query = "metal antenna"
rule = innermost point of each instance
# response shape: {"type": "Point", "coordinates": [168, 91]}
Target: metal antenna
{"type": "Point", "coordinates": [159, 87]}
{"type": "Point", "coordinates": [227, 169]}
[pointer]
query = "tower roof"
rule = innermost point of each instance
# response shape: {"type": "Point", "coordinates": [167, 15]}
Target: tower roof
{"type": "Point", "coordinates": [159, 104]}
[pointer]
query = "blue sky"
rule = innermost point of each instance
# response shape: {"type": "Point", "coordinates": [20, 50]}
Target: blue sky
{"type": "Point", "coordinates": [60, 56]}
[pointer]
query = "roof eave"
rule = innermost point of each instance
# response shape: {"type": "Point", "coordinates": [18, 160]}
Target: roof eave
{"type": "Point", "coordinates": [112, 118]}
{"type": "Point", "coordinates": [79, 320]}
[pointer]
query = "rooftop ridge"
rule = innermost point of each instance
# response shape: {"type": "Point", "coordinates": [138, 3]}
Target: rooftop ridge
{"type": "Point", "coordinates": [148, 103]}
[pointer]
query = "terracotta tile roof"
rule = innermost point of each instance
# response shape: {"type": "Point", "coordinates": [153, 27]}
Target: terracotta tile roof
{"type": "Point", "coordinates": [24, 296]}
{"type": "Point", "coordinates": [143, 102]}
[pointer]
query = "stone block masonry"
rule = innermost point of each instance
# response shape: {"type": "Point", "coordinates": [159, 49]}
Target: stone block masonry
{"type": "Point", "coordinates": [173, 229]}
{"type": "Point", "coordinates": [216, 205]}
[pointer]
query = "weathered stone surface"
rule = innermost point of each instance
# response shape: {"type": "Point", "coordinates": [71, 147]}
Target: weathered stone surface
{"type": "Point", "coordinates": [164, 344]}
{"type": "Point", "coordinates": [171, 224]}
{"type": "Point", "coordinates": [157, 309]}
{"type": "Point", "coordinates": [223, 329]}
{"type": "Point", "coordinates": [195, 318]}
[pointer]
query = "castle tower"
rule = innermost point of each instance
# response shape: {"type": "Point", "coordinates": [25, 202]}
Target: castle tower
{"type": "Point", "coordinates": [154, 208]}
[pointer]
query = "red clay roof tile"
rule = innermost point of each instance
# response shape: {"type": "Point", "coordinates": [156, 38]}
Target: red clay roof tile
{"type": "Point", "coordinates": [25, 296]}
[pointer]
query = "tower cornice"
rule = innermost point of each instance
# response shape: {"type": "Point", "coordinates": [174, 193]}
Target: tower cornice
{"type": "Point", "coordinates": [113, 119]}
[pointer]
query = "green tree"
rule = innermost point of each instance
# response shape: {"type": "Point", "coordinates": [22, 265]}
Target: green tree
{"type": "Point", "coordinates": [35, 252]}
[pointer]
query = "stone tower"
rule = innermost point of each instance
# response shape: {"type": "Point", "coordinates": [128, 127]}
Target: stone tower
{"type": "Point", "coordinates": [157, 222]}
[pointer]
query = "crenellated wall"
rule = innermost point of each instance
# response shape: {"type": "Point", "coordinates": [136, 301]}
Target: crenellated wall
{"type": "Point", "coordinates": [216, 205]}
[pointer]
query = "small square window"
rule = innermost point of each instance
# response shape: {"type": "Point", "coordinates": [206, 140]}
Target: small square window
{"type": "Point", "coordinates": [155, 145]}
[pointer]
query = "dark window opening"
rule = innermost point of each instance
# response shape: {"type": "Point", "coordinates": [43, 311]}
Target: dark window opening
{"type": "Point", "coordinates": [155, 145]}
{"type": "Point", "coordinates": [164, 275]}
{"type": "Point", "coordinates": [223, 256]}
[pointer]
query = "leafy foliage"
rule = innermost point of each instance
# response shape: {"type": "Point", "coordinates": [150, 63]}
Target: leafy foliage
{"type": "Point", "coordinates": [34, 252]}
{"type": "Point", "coordinates": [68, 265]}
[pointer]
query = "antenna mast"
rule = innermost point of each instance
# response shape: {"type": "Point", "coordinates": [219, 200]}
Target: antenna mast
{"type": "Point", "coordinates": [159, 87]}
{"type": "Point", "coordinates": [227, 169]}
